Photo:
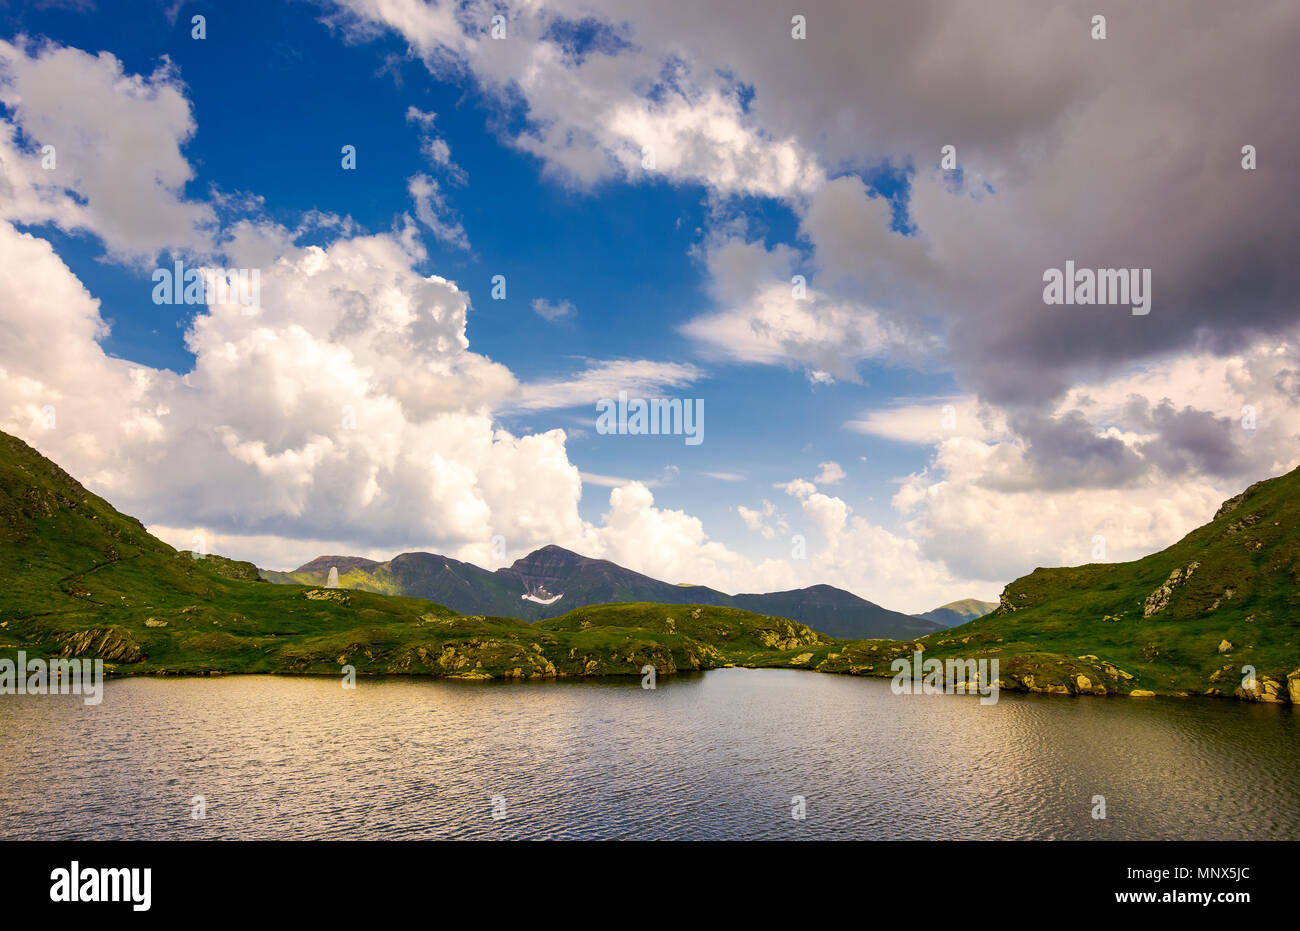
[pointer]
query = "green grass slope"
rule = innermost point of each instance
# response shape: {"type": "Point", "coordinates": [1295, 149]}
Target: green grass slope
{"type": "Point", "coordinates": [1187, 620]}
{"type": "Point", "coordinates": [79, 578]}
{"type": "Point", "coordinates": [731, 635]}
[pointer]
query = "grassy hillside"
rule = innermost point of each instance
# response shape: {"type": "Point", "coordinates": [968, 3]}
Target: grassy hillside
{"type": "Point", "coordinates": [739, 637]}
{"type": "Point", "coordinates": [78, 578]}
{"type": "Point", "coordinates": [1185, 620]}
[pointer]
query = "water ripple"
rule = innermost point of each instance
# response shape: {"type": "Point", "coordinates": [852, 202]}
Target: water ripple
{"type": "Point", "coordinates": [710, 756]}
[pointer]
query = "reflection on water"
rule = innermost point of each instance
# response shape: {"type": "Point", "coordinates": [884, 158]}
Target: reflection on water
{"type": "Point", "coordinates": [718, 755]}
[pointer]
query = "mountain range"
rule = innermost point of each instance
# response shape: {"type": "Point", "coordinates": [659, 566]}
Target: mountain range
{"type": "Point", "coordinates": [552, 581]}
{"type": "Point", "coordinates": [78, 578]}
{"type": "Point", "coordinates": [1217, 613]}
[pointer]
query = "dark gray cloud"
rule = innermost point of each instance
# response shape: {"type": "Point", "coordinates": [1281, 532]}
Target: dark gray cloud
{"type": "Point", "coordinates": [1190, 440]}
{"type": "Point", "coordinates": [1067, 452]}
{"type": "Point", "coordinates": [1119, 153]}
{"type": "Point", "coordinates": [1122, 152]}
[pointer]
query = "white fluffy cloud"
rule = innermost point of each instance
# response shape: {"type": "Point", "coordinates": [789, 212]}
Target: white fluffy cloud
{"type": "Point", "coordinates": [838, 548]}
{"type": "Point", "coordinates": [828, 543]}
{"type": "Point", "coordinates": [1144, 466]}
{"type": "Point", "coordinates": [118, 170]}
{"type": "Point", "coordinates": [1067, 148]}
{"type": "Point", "coordinates": [763, 519]}
{"type": "Point", "coordinates": [348, 415]}
{"type": "Point", "coordinates": [348, 406]}
{"type": "Point", "coordinates": [829, 473]}
{"type": "Point", "coordinates": [351, 409]}
{"type": "Point", "coordinates": [345, 411]}
{"type": "Point", "coordinates": [666, 544]}
{"type": "Point", "coordinates": [826, 338]}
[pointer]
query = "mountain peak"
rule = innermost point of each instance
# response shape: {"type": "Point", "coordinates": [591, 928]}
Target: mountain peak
{"type": "Point", "coordinates": [552, 579]}
{"type": "Point", "coordinates": [552, 549]}
{"type": "Point", "coordinates": [548, 556]}
{"type": "Point", "coordinates": [342, 563]}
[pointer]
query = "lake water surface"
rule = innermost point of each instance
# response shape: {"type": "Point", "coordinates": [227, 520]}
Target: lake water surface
{"type": "Point", "coordinates": [719, 755]}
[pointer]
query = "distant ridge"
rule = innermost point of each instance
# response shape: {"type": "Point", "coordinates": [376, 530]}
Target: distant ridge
{"type": "Point", "coordinates": [959, 612]}
{"type": "Point", "coordinates": [552, 580]}
{"type": "Point", "coordinates": [1217, 613]}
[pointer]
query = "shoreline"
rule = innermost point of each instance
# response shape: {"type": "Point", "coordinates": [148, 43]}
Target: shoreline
{"type": "Point", "coordinates": [1004, 685]}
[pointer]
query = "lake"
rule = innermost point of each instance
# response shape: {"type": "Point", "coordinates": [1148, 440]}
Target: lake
{"type": "Point", "coordinates": [719, 755]}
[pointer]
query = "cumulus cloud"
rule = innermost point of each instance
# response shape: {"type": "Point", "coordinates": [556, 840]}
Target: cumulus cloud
{"type": "Point", "coordinates": [829, 473]}
{"type": "Point", "coordinates": [666, 544]}
{"type": "Point", "coordinates": [827, 543]}
{"type": "Point", "coordinates": [345, 410]}
{"type": "Point", "coordinates": [763, 519]}
{"type": "Point", "coordinates": [1116, 459]}
{"type": "Point", "coordinates": [327, 421]}
{"type": "Point", "coordinates": [1117, 153]}
{"type": "Point", "coordinates": [349, 405]}
{"type": "Point", "coordinates": [827, 339]}
{"type": "Point", "coordinates": [848, 551]}
{"type": "Point", "coordinates": [116, 168]}
{"type": "Point", "coordinates": [770, 314]}
{"type": "Point", "coordinates": [355, 394]}
{"type": "Point", "coordinates": [597, 115]}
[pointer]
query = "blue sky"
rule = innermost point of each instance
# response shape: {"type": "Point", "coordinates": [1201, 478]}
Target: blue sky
{"type": "Point", "coordinates": [843, 190]}
{"type": "Point", "coordinates": [621, 253]}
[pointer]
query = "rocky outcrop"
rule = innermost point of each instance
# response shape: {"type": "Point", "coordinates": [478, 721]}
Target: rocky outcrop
{"type": "Point", "coordinates": [1158, 600]}
{"type": "Point", "coordinates": [1264, 688]}
{"type": "Point", "coordinates": [788, 636]}
{"type": "Point", "coordinates": [1250, 520]}
{"type": "Point", "coordinates": [1007, 604]}
{"type": "Point", "coordinates": [1228, 593]}
{"type": "Point", "coordinates": [329, 594]}
{"type": "Point", "coordinates": [1235, 501]}
{"type": "Point", "coordinates": [107, 643]}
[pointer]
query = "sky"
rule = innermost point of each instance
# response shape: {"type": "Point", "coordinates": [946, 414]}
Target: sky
{"type": "Point", "coordinates": [720, 203]}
